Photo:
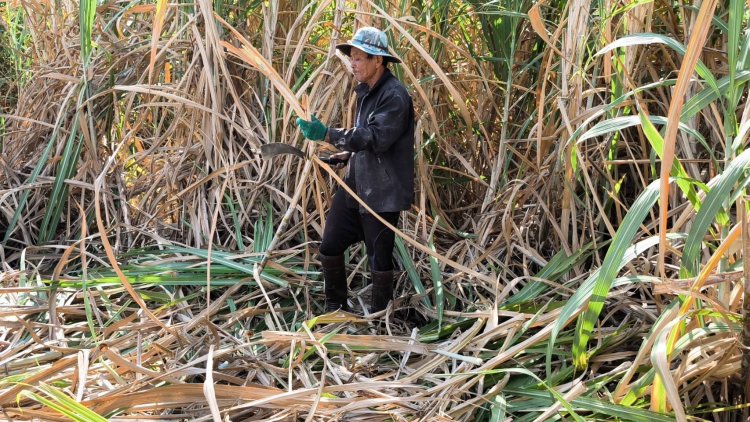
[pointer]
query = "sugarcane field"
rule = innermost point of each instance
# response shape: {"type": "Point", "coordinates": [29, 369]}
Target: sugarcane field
{"type": "Point", "coordinates": [368, 210]}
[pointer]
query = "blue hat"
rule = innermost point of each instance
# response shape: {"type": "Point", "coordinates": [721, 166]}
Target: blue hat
{"type": "Point", "coordinates": [371, 41]}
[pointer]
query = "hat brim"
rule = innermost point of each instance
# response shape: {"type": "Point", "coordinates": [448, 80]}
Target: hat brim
{"type": "Point", "coordinates": [346, 48]}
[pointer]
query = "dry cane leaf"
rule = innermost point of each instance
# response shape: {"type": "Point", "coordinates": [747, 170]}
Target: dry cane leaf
{"type": "Point", "coordinates": [684, 78]}
{"type": "Point", "coordinates": [535, 18]}
{"type": "Point", "coordinates": [252, 56]}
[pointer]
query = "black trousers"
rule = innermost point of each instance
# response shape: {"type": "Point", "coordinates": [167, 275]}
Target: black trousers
{"type": "Point", "coordinates": [346, 226]}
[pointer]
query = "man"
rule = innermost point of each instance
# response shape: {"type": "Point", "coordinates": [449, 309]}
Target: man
{"type": "Point", "coordinates": [380, 170]}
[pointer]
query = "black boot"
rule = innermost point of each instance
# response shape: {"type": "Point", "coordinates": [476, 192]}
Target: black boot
{"type": "Point", "coordinates": [334, 275]}
{"type": "Point", "coordinates": [382, 290]}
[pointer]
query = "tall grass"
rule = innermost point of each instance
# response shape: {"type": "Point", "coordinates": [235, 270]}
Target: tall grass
{"type": "Point", "coordinates": [576, 247]}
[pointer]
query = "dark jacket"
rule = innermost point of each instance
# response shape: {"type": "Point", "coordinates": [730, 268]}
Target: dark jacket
{"type": "Point", "coordinates": [381, 167]}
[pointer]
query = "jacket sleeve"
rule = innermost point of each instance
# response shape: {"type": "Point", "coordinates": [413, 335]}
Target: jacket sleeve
{"type": "Point", "coordinates": [383, 127]}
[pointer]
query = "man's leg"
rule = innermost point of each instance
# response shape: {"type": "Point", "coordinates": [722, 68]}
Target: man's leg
{"type": "Point", "coordinates": [379, 241]}
{"type": "Point", "coordinates": [341, 230]}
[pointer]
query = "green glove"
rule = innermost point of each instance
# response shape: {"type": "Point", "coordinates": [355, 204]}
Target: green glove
{"type": "Point", "coordinates": [314, 131]}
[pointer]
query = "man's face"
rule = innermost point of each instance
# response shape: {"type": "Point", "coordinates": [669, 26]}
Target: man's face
{"type": "Point", "coordinates": [364, 68]}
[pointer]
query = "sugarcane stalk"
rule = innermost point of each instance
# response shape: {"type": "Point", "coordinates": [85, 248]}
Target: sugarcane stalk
{"type": "Point", "coordinates": [258, 267]}
{"type": "Point", "coordinates": [250, 55]}
{"type": "Point", "coordinates": [746, 300]}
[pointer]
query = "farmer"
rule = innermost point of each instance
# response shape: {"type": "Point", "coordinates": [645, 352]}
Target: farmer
{"type": "Point", "coordinates": [380, 170]}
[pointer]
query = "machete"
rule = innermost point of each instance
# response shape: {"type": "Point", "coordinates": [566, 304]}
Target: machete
{"type": "Point", "coordinates": [277, 148]}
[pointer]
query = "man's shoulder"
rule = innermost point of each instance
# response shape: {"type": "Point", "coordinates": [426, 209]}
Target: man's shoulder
{"type": "Point", "coordinates": [392, 81]}
{"type": "Point", "coordinates": [395, 86]}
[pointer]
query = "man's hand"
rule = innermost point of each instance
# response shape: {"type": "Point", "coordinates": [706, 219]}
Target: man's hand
{"type": "Point", "coordinates": [314, 131]}
{"type": "Point", "coordinates": [337, 160]}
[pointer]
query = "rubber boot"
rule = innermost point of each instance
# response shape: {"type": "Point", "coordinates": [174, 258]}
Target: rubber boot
{"type": "Point", "coordinates": [334, 276]}
{"type": "Point", "coordinates": [382, 290]}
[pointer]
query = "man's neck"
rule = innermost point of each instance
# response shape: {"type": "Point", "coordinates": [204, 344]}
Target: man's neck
{"type": "Point", "coordinates": [376, 77]}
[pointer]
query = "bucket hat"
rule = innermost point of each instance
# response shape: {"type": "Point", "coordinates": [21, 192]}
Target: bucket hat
{"type": "Point", "coordinates": [370, 40]}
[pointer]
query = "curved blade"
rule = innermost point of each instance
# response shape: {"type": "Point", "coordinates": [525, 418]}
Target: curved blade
{"type": "Point", "coordinates": [277, 148]}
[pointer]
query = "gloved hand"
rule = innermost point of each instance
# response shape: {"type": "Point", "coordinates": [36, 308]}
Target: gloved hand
{"type": "Point", "coordinates": [314, 130]}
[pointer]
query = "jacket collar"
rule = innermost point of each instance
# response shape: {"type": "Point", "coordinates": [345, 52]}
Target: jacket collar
{"type": "Point", "coordinates": [363, 88]}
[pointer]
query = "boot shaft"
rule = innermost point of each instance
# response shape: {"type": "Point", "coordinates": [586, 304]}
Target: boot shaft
{"type": "Point", "coordinates": [331, 262]}
{"type": "Point", "coordinates": [334, 277]}
{"type": "Point", "coordinates": [382, 290]}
